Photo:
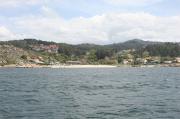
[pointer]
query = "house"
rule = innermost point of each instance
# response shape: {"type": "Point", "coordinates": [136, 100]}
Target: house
{"type": "Point", "coordinates": [51, 48]}
{"type": "Point", "coordinates": [142, 61]}
{"type": "Point", "coordinates": [178, 59]}
{"type": "Point", "coordinates": [168, 62]}
{"type": "Point", "coordinates": [127, 61]}
{"type": "Point", "coordinates": [54, 48]}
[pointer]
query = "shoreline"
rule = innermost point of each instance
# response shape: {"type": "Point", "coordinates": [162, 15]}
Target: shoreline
{"type": "Point", "coordinates": [83, 66]}
{"type": "Point", "coordinates": [59, 66]}
{"type": "Point", "coordinates": [87, 66]}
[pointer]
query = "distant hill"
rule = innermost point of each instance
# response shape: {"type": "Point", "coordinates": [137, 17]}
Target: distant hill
{"type": "Point", "coordinates": [17, 50]}
{"type": "Point", "coordinates": [81, 49]}
{"type": "Point", "coordinates": [131, 44]}
{"type": "Point", "coordinates": [25, 43]}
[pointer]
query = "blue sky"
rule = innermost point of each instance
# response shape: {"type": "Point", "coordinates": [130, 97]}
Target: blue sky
{"type": "Point", "coordinates": [87, 8]}
{"type": "Point", "coordinates": [94, 21]}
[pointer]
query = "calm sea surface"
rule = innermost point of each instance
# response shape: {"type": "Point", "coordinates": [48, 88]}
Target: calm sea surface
{"type": "Point", "coordinates": [112, 93]}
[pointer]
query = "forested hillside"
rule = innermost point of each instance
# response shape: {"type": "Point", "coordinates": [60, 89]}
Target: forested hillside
{"type": "Point", "coordinates": [88, 53]}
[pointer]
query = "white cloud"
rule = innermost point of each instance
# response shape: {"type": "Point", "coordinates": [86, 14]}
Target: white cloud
{"type": "Point", "coordinates": [6, 34]}
{"type": "Point", "coordinates": [132, 2]}
{"type": "Point", "coordinates": [101, 29]}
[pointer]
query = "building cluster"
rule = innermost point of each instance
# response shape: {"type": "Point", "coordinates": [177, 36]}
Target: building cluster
{"type": "Point", "coordinates": [129, 59]}
{"type": "Point", "coordinates": [45, 48]}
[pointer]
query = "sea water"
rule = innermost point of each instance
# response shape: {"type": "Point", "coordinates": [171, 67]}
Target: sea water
{"type": "Point", "coordinates": [90, 93]}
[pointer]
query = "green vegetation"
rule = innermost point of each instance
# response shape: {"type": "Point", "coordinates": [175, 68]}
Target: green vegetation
{"type": "Point", "coordinates": [133, 52]}
{"type": "Point", "coordinates": [164, 50]}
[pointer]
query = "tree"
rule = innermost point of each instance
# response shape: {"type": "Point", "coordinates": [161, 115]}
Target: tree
{"type": "Point", "coordinates": [24, 57]}
{"type": "Point", "coordinates": [92, 56]}
{"type": "Point", "coordinates": [101, 53]}
{"type": "Point", "coordinates": [145, 54]}
{"type": "Point", "coordinates": [120, 59]}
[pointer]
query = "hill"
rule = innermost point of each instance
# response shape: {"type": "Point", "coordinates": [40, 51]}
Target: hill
{"type": "Point", "coordinates": [44, 52]}
{"type": "Point", "coordinates": [131, 44]}
{"type": "Point", "coordinates": [80, 49]}
{"type": "Point", "coordinates": [10, 54]}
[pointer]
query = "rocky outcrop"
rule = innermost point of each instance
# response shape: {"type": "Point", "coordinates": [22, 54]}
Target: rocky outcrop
{"type": "Point", "coordinates": [10, 54]}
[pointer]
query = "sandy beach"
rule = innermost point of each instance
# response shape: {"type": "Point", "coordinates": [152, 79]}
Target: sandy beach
{"type": "Point", "coordinates": [83, 66]}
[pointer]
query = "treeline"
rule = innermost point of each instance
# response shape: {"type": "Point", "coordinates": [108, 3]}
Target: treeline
{"type": "Point", "coordinates": [162, 50]}
{"type": "Point", "coordinates": [25, 43]}
{"type": "Point", "coordinates": [94, 53]}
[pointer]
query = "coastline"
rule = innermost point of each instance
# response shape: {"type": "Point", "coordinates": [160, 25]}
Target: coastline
{"type": "Point", "coordinates": [86, 66]}
{"type": "Point", "coordinates": [83, 66]}
{"type": "Point", "coordinates": [59, 66]}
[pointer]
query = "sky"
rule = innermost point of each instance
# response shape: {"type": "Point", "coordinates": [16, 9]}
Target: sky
{"type": "Point", "coordinates": [90, 21]}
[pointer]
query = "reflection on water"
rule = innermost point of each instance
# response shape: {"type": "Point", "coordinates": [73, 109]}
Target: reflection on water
{"type": "Point", "coordinates": [127, 93]}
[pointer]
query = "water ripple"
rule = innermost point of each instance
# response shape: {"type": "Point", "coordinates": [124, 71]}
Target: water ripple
{"type": "Point", "coordinates": [127, 93]}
